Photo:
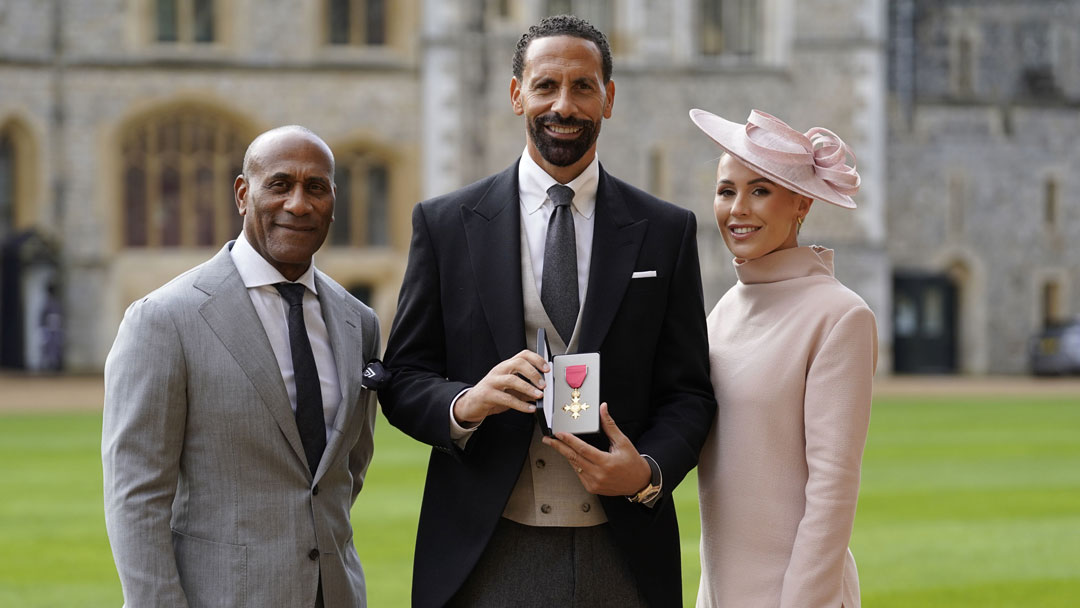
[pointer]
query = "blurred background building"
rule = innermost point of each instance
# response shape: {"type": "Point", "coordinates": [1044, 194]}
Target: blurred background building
{"type": "Point", "coordinates": [123, 124]}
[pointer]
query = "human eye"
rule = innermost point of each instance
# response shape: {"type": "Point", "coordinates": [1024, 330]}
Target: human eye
{"type": "Point", "coordinates": [760, 191]}
{"type": "Point", "coordinates": [725, 191]}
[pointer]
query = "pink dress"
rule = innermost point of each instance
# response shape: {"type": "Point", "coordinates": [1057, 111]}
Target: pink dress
{"type": "Point", "coordinates": [793, 354]}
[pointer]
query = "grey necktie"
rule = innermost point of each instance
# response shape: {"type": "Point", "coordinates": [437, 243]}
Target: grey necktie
{"type": "Point", "coordinates": [309, 406]}
{"type": "Point", "coordinates": [559, 285]}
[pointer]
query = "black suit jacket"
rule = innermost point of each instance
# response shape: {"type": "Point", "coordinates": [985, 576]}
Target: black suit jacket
{"type": "Point", "coordinates": [461, 312]}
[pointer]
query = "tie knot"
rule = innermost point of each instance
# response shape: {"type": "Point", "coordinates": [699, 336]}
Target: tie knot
{"type": "Point", "coordinates": [561, 195]}
{"type": "Point", "coordinates": [292, 292]}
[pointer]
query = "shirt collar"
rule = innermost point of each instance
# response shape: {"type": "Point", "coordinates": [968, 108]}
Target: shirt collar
{"type": "Point", "coordinates": [533, 183]}
{"type": "Point", "coordinates": [255, 271]}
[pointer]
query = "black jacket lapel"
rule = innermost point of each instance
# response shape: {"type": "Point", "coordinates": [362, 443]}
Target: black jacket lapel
{"type": "Point", "coordinates": [617, 238]}
{"type": "Point", "coordinates": [493, 233]}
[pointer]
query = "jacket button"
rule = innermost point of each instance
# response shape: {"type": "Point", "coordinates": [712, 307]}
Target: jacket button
{"type": "Point", "coordinates": [315, 490]}
{"type": "Point", "coordinates": [586, 507]}
{"type": "Point", "coordinates": [540, 463]}
{"type": "Point", "coordinates": [313, 554]}
{"type": "Point", "coordinates": [545, 509]}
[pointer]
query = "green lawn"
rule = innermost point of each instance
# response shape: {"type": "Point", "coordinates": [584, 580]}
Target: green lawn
{"type": "Point", "coordinates": [964, 503]}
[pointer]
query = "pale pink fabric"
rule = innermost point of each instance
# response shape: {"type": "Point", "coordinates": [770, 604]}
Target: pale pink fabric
{"type": "Point", "coordinates": [793, 354]}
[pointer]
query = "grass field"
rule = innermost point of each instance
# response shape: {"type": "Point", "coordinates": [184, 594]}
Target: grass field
{"type": "Point", "coordinates": [965, 503]}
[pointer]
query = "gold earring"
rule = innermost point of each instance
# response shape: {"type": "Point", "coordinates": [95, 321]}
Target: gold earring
{"type": "Point", "coordinates": [799, 220]}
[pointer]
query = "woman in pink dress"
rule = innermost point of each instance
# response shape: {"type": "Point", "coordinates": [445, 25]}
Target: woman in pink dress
{"type": "Point", "coordinates": [793, 354]}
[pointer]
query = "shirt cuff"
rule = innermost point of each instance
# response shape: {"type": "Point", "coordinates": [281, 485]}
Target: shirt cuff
{"type": "Point", "coordinates": [460, 434]}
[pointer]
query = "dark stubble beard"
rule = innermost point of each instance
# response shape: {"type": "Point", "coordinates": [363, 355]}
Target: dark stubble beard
{"type": "Point", "coordinates": [562, 153]}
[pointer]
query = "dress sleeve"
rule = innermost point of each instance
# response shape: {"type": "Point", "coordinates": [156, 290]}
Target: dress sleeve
{"type": "Point", "coordinates": [836, 413]}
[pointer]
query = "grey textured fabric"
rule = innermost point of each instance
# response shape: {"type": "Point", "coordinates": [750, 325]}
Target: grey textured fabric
{"type": "Point", "coordinates": [566, 567]}
{"type": "Point", "coordinates": [208, 497]}
{"type": "Point", "coordinates": [559, 284]}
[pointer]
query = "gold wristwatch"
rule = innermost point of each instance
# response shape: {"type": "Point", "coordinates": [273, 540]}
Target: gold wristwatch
{"type": "Point", "coordinates": [656, 482]}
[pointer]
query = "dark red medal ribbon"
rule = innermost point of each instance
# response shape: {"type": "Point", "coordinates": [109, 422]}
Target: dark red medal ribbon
{"type": "Point", "coordinates": [575, 375]}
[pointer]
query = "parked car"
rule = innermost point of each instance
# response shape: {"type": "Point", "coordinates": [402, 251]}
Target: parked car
{"type": "Point", "coordinates": [1056, 350]}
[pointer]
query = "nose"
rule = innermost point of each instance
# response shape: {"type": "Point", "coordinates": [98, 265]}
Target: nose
{"type": "Point", "coordinates": [563, 105]}
{"type": "Point", "coordinates": [296, 202]}
{"type": "Point", "coordinates": [741, 206]}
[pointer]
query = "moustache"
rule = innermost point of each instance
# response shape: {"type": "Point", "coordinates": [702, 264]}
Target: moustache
{"type": "Point", "coordinates": [569, 121]}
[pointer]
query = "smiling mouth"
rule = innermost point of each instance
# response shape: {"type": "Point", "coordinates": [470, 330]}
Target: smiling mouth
{"type": "Point", "coordinates": [744, 230]}
{"type": "Point", "coordinates": [561, 130]}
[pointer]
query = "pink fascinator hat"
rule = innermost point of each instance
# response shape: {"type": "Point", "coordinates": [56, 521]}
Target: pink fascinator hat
{"type": "Point", "coordinates": [813, 164]}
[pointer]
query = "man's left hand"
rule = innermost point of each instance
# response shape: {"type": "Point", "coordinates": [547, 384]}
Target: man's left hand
{"type": "Point", "coordinates": [621, 471]}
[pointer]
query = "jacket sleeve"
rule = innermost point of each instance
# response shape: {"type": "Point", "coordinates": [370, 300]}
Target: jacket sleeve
{"type": "Point", "coordinates": [141, 441]}
{"type": "Point", "coordinates": [836, 414]}
{"type": "Point", "coordinates": [683, 404]}
{"type": "Point", "coordinates": [417, 399]}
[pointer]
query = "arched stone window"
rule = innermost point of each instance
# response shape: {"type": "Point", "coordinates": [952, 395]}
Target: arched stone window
{"type": "Point", "coordinates": [177, 175]}
{"type": "Point", "coordinates": [362, 209]}
{"type": "Point", "coordinates": [19, 203]}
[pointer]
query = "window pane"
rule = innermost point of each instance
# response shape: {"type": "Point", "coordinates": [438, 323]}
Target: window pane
{"type": "Point", "coordinates": [170, 207]}
{"type": "Point", "coordinates": [135, 207]}
{"type": "Point", "coordinates": [712, 27]}
{"type": "Point", "coordinates": [339, 229]}
{"type": "Point", "coordinates": [204, 20]}
{"type": "Point", "coordinates": [743, 36]}
{"type": "Point", "coordinates": [338, 25]}
{"type": "Point", "coordinates": [375, 23]}
{"type": "Point", "coordinates": [7, 185]}
{"type": "Point", "coordinates": [166, 21]}
{"type": "Point", "coordinates": [378, 225]}
{"type": "Point", "coordinates": [204, 207]}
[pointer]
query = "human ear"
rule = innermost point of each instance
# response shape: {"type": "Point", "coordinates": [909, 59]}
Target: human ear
{"type": "Point", "coordinates": [240, 188]}
{"type": "Point", "coordinates": [515, 96]}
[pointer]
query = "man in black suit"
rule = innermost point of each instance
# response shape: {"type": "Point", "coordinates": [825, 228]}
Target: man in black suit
{"type": "Point", "coordinates": [511, 517]}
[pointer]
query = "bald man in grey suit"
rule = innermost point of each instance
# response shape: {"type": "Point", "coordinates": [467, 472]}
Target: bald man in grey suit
{"type": "Point", "coordinates": [236, 432]}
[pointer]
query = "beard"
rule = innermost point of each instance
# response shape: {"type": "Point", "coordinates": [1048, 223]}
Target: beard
{"type": "Point", "coordinates": [558, 152]}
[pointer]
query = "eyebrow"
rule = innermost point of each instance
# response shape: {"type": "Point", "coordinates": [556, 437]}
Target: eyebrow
{"type": "Point", "coordinates": [290, 176]}
{"type": "Point", "coordinates": [760, 180]}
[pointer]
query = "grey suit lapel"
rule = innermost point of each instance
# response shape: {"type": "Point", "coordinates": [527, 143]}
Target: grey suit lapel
{"type": "Point", "coordinates": [229, 313]}
{"type": "Point", "coordinates": [617, 238]}
{"type": "Point", "coordinates": [346, 339]}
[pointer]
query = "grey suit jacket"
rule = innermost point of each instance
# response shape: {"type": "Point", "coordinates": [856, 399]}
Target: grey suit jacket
{"type": "Point", "coordinates": [208, 496]}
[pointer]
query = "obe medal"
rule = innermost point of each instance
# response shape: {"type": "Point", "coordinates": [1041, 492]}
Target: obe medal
{"type": "Point", "coordinates": [575, 376]}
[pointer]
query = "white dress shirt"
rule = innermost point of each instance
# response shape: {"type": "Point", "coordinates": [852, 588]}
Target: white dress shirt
{"type": "Point", "coordinates": [259, 278]}
{"type": "Point", "coordinates": [536, 210]}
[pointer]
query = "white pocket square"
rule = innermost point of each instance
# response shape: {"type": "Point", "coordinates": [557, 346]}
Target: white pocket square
{"type": "Point", "coordinates": [643, 274]}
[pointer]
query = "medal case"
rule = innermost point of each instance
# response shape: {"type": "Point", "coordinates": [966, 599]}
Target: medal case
{"type": "Point", "coordinates": [571, 401]}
